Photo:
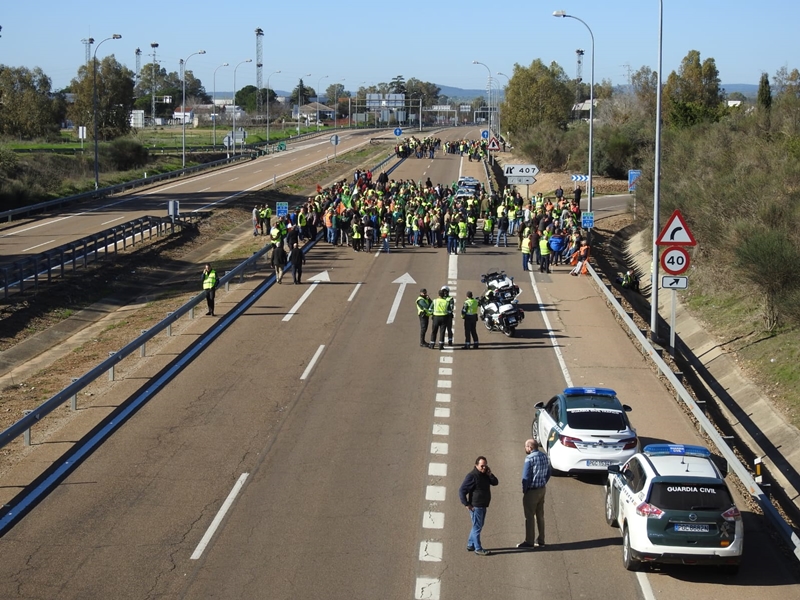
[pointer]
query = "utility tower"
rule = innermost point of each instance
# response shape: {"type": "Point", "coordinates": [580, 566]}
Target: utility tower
{"type": "Point", "coordinates": [259, 71]}
{"type": "Point", "coordinates": [138, 62]}
{"type": "Point", "coordinates": [154, 46]}
{"type": "Point", "coordinates": [87, 43]}
{"type": "Point", "coordinates": [578, 78]}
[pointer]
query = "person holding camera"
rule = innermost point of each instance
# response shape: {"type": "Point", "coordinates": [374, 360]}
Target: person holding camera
{"type": "Point", "coordinates": [476, 494]}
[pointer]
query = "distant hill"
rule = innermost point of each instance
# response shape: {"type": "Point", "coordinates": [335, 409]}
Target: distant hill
{"type": "Point", "coordinates": [748, 89]}
{"type": "Point", "coordinates": [455, 93]}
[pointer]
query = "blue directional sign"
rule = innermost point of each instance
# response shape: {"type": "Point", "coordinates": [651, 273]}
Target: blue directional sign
{"type": "Point", "coordinates": [587, 220]}
{"type": "Point", "coordinates": [485, 134]}
{"type": "Point", "coordinates": [633, 177]}
{"type": "Point", "coordinates": [281, 209]}
{"type": "Point", "coordinates": [398, 132]}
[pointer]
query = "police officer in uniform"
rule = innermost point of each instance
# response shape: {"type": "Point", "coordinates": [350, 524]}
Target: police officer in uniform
{"type": "Point", "coordinates": [469, 312]}
{"type": "Point", "coordinates": [209, 287]}
{"type": "Point", "coordinates": [451, 308]}
{"type": "Point", "coordinates": [440, 309]}
{"type": "Point", "coordinates": [424, 306]}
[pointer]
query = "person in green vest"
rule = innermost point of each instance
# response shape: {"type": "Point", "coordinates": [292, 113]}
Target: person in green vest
{"type": "Point", "coordinates": [462, 236]}
{"type": "Point", "coordinates": [544, 251]}
{"type": "Point", "coordinates": [440, 310]}
{"type": "Point", "coordinates": [385, 230]}
{"type": "Point", "coordinates": [469, 312]}
{"type": "Point", "coordinates": [526, 252]}
{"type": "Point", "coordinates": [488, 230]}
{"type": "Point", "coordinates": [210, 283]}
{"type": "Point", "coordinates": [424, 311]}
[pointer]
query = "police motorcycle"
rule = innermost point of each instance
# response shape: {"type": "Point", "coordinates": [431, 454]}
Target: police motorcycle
{"type": "Point", "coordinates": [499, 315]}
{"type": "Point", "coordinates": [504, 287]}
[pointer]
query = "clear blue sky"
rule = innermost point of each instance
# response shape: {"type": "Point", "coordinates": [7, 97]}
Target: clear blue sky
{"type": "Point", "coordinates": [371, 42]}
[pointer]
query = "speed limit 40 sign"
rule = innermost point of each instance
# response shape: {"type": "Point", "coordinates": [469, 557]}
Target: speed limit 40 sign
{"type": "Point", "coordinates": [675, 260]}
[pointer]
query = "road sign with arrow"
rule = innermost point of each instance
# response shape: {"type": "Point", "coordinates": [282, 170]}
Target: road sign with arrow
{"type": "Point", "coordinates": [670, 282]}
{"type": "Point", "coordinates": [676, 232]}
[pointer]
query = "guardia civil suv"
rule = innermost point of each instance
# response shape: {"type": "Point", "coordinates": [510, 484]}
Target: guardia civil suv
{"type": "Point", "coordinates": [673, 506]}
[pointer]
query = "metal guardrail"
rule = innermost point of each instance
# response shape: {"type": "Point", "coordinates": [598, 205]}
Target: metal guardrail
{"type": "Point", "coordinates": [772, 514]}
{"type": "Point", "coordinates": [28, 272]}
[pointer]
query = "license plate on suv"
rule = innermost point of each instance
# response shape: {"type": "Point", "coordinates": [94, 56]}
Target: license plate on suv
{"type": "Point", "coordinates": [599, 463]}
{"type": "Point", "coordinates": [691, 527]}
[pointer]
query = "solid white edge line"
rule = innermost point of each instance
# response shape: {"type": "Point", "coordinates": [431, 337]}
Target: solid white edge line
{"type": "Point", "coordinates": [551, 334]}
{"type": "Point", "coordinates": [641, 578]}
{"type": "Point", "coordinates": [198, 552]}
{"type": "Point", "coordinates": [355, 291]}
{"type": "Point", "coordinates": [39, 245]}
{"type": "Point", "coordinates": [314, 359]}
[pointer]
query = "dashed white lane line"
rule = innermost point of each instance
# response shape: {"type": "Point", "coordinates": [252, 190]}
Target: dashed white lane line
{"type": "Point", "coordinates": [438, 448]}
{"type": "Point", "coordinates": [446, 360]}
{"type": "Point", "coordinates": [442, 413]}
{"type": "Point", "coordinates": [198, 552]}
{"type": "Point", "coordinates": [431, 551]}
{"type": "Point", "coordinates": [433, 520]}
{"type": "Point", "coordinates": [437, 469]}
{"type": "Point", "coordinates": [442, 397]}
{"type": "Point", "coordinates": [427, 588]}
{"type": "Point", "coordinates": [444, 383]}
{"type": "Point", "coordinates": [445, 371]}
{"type": "Point", "coordinates": [440, 429]}
{"type": "Point", "coordinates": [39, 245]}
{"type": "Point", "coordinates": [355, 291]}
{"type": "Point", "coordinates": [435, 493]}
{"type": "Point", "coordinates": [111, 221]}
{"type": "Point", "coordinates": [314, 359]}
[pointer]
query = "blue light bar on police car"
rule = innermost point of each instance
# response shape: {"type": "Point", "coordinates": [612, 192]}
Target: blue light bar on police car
{"type": "Point", "coordinates": [589, 391]}
{"type": "Point", "coordinates": [676, 450]}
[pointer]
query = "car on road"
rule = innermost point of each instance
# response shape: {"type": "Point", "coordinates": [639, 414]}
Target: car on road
{"type": "Point", "coordinates": [674, 506]}
{"type": "Point", "coordinates": [585, 429]}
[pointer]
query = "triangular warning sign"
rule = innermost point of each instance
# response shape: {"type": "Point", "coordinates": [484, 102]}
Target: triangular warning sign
{"type": "Point", "coordinates": [676, 232]}
{"type": "Point", "coordinates": [494, 144]}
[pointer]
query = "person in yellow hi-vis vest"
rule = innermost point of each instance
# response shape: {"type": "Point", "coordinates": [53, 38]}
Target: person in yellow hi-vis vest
{"type": "Point", "coordinates": [210, 283]}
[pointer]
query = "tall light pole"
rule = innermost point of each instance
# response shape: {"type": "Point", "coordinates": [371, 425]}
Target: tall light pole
{"type": "Point", "coordinates": [153, 45]}
{"type": "Point", "coordinates": [214, 107]}
{"type": "Point", "coordinates": [656, 186]}
{"type": "Point", "coordinates": [508, 85]}
{"type": "Point", "coordinates": [183, 101]}
{"type": "Point", "coordinates": [116, 36]}
{"type": "Point", "coordinates": [488, 91]}
{"type": "Point", "coordinates": [233, 123]}
{"type": "Point", "coordinates": [319, 83]}
{"type": "Point", "coordinates": [563, 14]}
{"type": "Point", "coordinates": [496, 82]}
{"type": "Point", "coordinates": [270, 75]}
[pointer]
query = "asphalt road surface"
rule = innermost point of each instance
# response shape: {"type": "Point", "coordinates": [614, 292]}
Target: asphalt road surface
{"type": "Point", "coordinates": [324, 449]}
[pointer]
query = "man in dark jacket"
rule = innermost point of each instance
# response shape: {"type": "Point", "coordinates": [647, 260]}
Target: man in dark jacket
{"type": "Point", "coordinates": [476, 494]}
{"type": "Point", "coordinates": [296, 259]}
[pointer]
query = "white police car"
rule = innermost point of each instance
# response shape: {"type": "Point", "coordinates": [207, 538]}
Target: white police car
{"type": "Point", "coordinates": [673, 506]}
{"type": "Point", "coordinates": [584, 429]}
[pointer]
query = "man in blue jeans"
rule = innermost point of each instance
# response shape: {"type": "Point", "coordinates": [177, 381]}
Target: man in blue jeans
{"type": "Point", "coordinates": [476, 494]}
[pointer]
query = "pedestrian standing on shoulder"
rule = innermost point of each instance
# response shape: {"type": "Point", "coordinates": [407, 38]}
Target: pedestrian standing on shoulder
{"type": "Point", "coordinates": [476, 494]}
{"type": "Point", "coordinates": [278, 261]}
{"type": "Point", "coordinates": [469, 312]}
{"type": "Point", "coordinates": [424, 310]}
{"type": "Point", "coordinates": [297, 259]}
{"type": "Point", "coordinates": [536, 473]}
{"type": "Point", "coordinates": [210, 283]}
{"type": "Point", "coordinates": [526, 252]}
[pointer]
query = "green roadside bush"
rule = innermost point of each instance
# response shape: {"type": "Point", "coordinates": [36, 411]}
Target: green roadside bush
{"type": "Point", "coordinates": [126, 153]}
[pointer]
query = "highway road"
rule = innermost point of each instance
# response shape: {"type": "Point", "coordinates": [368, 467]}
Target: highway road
{"type": "Point", "coordinates": [316, 451]}
{"type": "Point", "coordinates": [203, 192]}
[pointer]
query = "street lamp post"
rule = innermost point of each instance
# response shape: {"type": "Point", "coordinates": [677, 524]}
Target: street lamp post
{"type": "Point", "coordinates": [319, 83]}
{"type": "Point", "coordinates": [233, 122]}
{"type": "Point", "coordinates": [657, 186]}
{"type": "Point", "coordinates": [116, 36]}
{"type": "Point", "coordinates": [488, 91]}
{"type": "Point", "coordinates": [183, 101]}
{"type": "Point", "coordinates": [508, 85]}
{"type": "Point", "coordinates": [270, 75]}
{"type": "Point", "coordinates": [563, 14]}
{"type": "Point", "coordinates": [214, 108]}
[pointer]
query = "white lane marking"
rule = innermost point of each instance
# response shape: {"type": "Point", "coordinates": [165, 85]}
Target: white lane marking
{"type": "Point", "coordinates": [641, 578]}
{"type": "Point", "coordinates": [198, 552]}
{"type": "Point", "coordinates": [445, 371]}
{"type": "Point", "coordinates": [446, 360]}
{"type": "Point", "coordinates": [39, 245]}
{"type": "Point", "coordinates": [112, 220]}
{"type": "Point", "coordinates": [433, 520]}
{"type": "Point", "coordinates": [431, 551]}
{"type": "Point", "coordinates": [452, 282]}
{"type": "Point", "coordinates": [208, 188]}
{"type": "Point", "coordinates": [292, 160]}
{"type": "Point", "coordinates": [435, 493]}
{"type": "Point", "coordinates": [442, 397]}
{"type": "Point", "coordinates": [427, 588]}
{"type": "Point", "coordinates": [446, 349]}
{"type": "Point", "coordinates": [444, 383]}
{"type": "Point", "coordinates": [452, 267]}
{"type": "Point", "coordinates": [439, 429]}
{"type": "Point", "coordinates": [551, 334]}
{"type": "Point", "coordinates": [259, 171]}
{"type": "Point", "coordinates": [314, 359]}
{"type": "Point", "coordinates": [438, 448]}
{"type": "Point", "coordinates": [378, 253]}
{"type": "Point", "coordinates": [299, 303]}
{"type": "Point", "coordinates": [442, 413]}
{"type": "Point", "coordinates": [437, 469]}
{"type": "Point", "coordinates": [234, 179]}
{"type": "Point", "coordinates": [355, 291]}
{"type": "Point", "coordinates": [403, 280]}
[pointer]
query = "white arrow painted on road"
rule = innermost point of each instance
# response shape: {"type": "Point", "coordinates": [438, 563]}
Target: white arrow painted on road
{"type": "Point", "coordinates": [316, 279]}
{"type": "Point", "coordinates": [403, 281]}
